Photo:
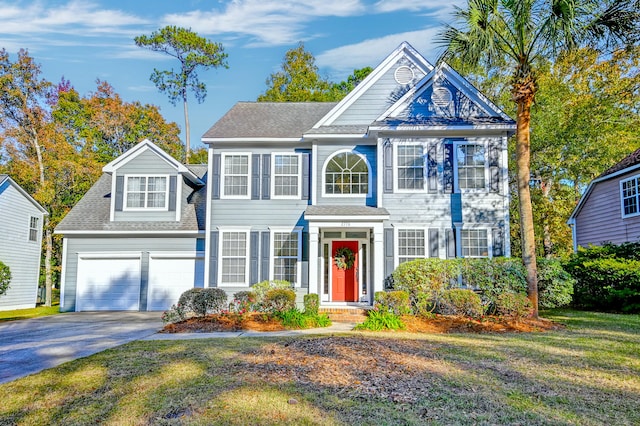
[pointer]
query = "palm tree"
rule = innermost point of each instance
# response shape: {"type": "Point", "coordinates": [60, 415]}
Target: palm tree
{"type": "Point", "coordinates": [520, 33]}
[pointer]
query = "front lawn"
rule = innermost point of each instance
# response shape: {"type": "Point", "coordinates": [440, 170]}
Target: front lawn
{"type": "Point", "coordinates": [587, 373]}
{"type": "Point", "coordinates": [18, 314]}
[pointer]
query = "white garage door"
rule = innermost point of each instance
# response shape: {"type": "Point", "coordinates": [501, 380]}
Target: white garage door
{"type": "Point", "coordinates": [170, 276]}
{"type": "Point", "coordinates": [108, 284]}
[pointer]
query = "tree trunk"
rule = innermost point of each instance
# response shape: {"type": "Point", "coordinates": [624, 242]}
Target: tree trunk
{"type": "Point", "coordinates": [523, 154]}
{"type": "Point", "coordinates": [187, 133]}
{"type": "Point", "coordinates": [547, 241]}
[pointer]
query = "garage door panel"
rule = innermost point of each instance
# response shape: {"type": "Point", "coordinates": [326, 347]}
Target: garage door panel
{"type": "Point", "coordinates": [108, 284]}
{"type": "Point", "coordinates": [170, 277]}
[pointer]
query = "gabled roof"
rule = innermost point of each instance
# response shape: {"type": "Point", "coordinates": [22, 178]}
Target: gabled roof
{"type": "Point", "coordinates": [444, 98]}
{"type": "Point", "coordinates": [148, 145]}
{"type": "Point", "coordinates": [627, 164]}
{"type": "Point", "coordinates": [92, 213]}
{"type": "Point", "coordinates": [7, 179]}
{"type": "Point", "coordinates": [267, 120]}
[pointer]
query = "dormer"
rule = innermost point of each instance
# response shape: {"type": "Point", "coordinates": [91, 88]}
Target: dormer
{"type": "Point", "coordinates": [147, 184]}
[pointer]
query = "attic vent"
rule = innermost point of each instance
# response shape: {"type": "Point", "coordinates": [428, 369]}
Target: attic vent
{"type": "Point", "coordinates": [404, 75]}
{"type": "Point", "coordinates": [441, 96]}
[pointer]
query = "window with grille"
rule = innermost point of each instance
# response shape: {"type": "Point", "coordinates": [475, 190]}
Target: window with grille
{"type": "Point", "coordinates": [147, 192]}
{"type": "Point", "coordinates": [286, 175]}
{"type": "Point", "coordinates": [410, 167]}
{"type": "Point", "coordinates": [630, 195]}
{"type": "Point", "coordinates": [234, 258]}
{"type": "Point", "coordinates": [33, 228]}
{"type": "Point", "coordinates": [347, 173]}
{"type": "Point", "coordinates": [471, 166]}
{"type": "Point", "coordinates": [474, 242]}
{"type": "Point", "coordinates": [235, 175]}
{"type": "Point", "coordinates": [411, 244]}
{"type": "Point", "coordinates": [286, 256]}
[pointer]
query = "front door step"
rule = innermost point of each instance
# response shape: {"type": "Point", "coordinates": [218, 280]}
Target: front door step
{"type": "Point", "coordinates": [350, 315]}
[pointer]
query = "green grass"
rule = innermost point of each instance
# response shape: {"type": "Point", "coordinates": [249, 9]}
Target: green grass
{"type": "Point", "coordinates": [585, 374]}
{"type": "Point", "coordinates": [19, 314]}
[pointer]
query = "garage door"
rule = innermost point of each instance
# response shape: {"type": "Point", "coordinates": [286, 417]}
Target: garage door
{"type": "Point", "coordinates": [170, 276]}
{"type": "Point", "coordinates": [108, 283]}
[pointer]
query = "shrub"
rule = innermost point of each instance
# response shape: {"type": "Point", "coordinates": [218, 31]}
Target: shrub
{"type": "Point", "coordinates": [175, 314]}
{"type": "Point", "coordinates": [243, 301]}
{"type": "Point", "coordinates": [311, 304]}
{"type": "Point", "coordinates": [425, 280]}
{"type": "Point", "coordinates": [5, 278]}
{"type": "Point", "coordinates": [201, 301]}
{"type": "Point", "coordinates": [279, 300]}
{"type": "Point", "coordinates": [493, 277]}
{"type": "Point", "coordinates": [381, 320]}
{"type": "Point", "coordinates": [260, 289]}
{"type": "Point", "coordinates": [515, 305]}
{"type": "Point", "coordinates": [555, 285]}
{"type": "Point", "coordinates": [293, 318]}
{"type": "Point", "coordinates": [396, 302]}
{"type": "Point", "coordinates": [460, 302]}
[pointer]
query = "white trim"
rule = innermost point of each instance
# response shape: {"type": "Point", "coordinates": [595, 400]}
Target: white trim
{"type": "Point", "coordinates": [273, 176]}
{"type": "Point", "coordinates": [341, 221]}
{"type": "Point", "coordinates": [248, 140]}
{"type": "Point", "coordinates": [145, 191]}
{"type": "Point", "coordinates": [128, 233]}
{"type": "Point", "coordinates": [63, 275]}
{"type": "Point", "coordinates": [313, 174]}
{"type": "Point", "coordinates": [112, 208]}
{"type": "Point", "coordinates": [272, 257]}
{"type": "Point", "coordinates": [176, 254]}
{"type": "Point", "coordinates": [209, 213]}
{"type": "Point", "coordinates": [246, 230]}
{"type": "Point", "coordinates": [369, 175]}
{"type": "Point", "coordinates": [223, 196]}
{"type": "Point", "coordinates": [335, 135]}
{"type": "Point", "coordinates": [24, 193]}
{"type": "Point", "coordinates": [110, 255]}
{"type": "Point", "coordinates": [178, 196]}
{"type": "Point", "coordinates": [637, 196]}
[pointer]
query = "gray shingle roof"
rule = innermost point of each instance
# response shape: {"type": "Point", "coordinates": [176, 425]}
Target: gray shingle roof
{"type": "Point", "coordinates": [91, 213]}
{"type": "Point", "coordinates": [338, 211]}
{"type": "Point", "coordinates": [269, 119]}
{"type": "Point", "coordinates": [628, 161]}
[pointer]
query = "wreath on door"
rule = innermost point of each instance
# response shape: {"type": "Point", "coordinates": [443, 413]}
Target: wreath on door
{"type": "Point", "coordinates": [344, 258]}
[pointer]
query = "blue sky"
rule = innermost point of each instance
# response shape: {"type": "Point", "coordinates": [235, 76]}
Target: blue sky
{"type": "Point", "coordinates": [88, 40]}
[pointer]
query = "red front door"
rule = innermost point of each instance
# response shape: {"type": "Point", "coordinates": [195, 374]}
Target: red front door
{"type": "Point", "coordinates": [344, 283]}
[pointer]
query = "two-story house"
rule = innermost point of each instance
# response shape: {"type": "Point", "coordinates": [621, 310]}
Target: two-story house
{"type": "Point", "coordinates": [328, 196]}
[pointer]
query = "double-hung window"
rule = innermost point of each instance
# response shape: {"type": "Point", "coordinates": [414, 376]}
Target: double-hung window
{"type": "Point", "coordinates": [411, 244]}
{"type": "Point", "coordinates": [236, 170]}
{"type": "Point", "coordinates": [146, 192]}
{"type": "Point", "coordinates": [33, 228]}
{"type": "Point", "coordinates": [475, 242]}
{"type": "Point", "coordinates": [286, 176]}
{"type": "Point", "coordinates": [234, 257]}
{"type": "Point", "coordinates": [630, 196]}
{"type": "Point", "coordinates": [471, 166]}
{"type": "Point", "coordinates": [410, 167]}
{"type": "Point", "coordinates": [286, 255]}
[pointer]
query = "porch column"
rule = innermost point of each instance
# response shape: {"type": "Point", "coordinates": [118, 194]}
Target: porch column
{"type": "Point", "coordinates": [314, 282]}
{"type": "Point", "coordinates": [378, 264]}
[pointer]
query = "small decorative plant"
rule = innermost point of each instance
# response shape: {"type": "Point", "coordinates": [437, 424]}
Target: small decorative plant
{"type": "Point", "coordinates": [344, 258]}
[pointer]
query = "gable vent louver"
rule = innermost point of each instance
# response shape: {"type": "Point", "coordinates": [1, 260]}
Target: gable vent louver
{"type": "Point", "coordinates": [441, 97]}
{"type": "Point", "coordinates": [404, 75]}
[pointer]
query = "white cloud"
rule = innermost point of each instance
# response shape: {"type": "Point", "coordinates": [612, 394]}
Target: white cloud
{"type": "Point", "coordinates": [267, 22]}
{"type": "Point", "coordinates": [343, 60]}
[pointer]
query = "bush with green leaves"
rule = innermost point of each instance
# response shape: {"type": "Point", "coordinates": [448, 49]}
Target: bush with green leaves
{"type": "Point", "coordinates": [381, 320]}
{"type": "Point", "coordinates": [514, 305]}
{"type": "Point", "coordinates": [396, 302]}
{"type": "Point", "coordinates": [458, 301]}
{"type": "Point", "coordinates": [492, 277]}
{"type": "Point", "coordinates": [555, 284]}
{"type": "Point", "coordinates": [243, 301]}
{"type": "Point", "coordinates": [260, 289]}
{"type": "Point", "coordinates": [311, 304]}
{"type": "Point", "coordinates": [174, 314]}
{"type": "Point", "coordinates": [425, 280]}
{"type": "Point", "coordinates": [293, 318]}
{"type": "Point", "coordinates": [279, 300]}
{"type": "Point", "coordinates": [5, 278]}
{"type": "Point", "coordinates": [607, 278]}
{"type": "Point", "coordinates": [203, 301]}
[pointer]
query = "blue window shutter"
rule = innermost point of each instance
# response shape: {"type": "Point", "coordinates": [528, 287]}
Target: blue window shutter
{"type": "Point", "coordinates": [447, 174]}
{"type": "Point", "coordinates": [119, 192]}
{"type": "Point", "coordinates": [215, 178]}
{"type": "Point", "coordinates": [388, 251]}
{"type": "Point", "coordinates": [432, 169]}
{"type": "Point", "coordinates": [254, 250]}
{"type": "Point", "coordinates": [451, 243]}
{"type": "Point", "coordinates": [173, 189]}
{"type": "Point", "coordinates": [213, 260]}
{"type": "Point", "coordinates": [266, 251]}
{"type": "Point", "coordinates": [388, 167]}
{"type": "Point", "coordinates": [306, 175]}
{"type": "Point", "coordinates": [494, 167]}
{"type": "Point", "coordinates": [255, 176]}
{"type": "Point", "coordinates": [266, 176]}
{"type": "Point", "coordinates": [305, 247]}
{"type": "Point", "coordinates": [498, 242]}
{"type": "Point", "coordinates": [434, 243]}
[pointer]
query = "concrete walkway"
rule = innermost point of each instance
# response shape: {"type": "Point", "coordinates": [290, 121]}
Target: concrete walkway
{"type": "Point", "coordinates": [336, 327]}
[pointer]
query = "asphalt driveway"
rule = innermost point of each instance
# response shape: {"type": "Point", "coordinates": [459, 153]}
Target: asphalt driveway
{"type": "Point", "coordinates": [29, 346]}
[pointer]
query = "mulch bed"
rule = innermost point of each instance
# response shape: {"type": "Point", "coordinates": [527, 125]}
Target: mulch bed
{"type": "Point", "coordinates": [438, 324]}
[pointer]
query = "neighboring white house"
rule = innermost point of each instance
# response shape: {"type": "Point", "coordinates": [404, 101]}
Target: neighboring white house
{"type": "Point", "coordinates": [21, 220]}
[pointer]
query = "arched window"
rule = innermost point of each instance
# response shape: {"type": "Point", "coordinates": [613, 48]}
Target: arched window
{"type": "Point", "coordinates": [346, 173]}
